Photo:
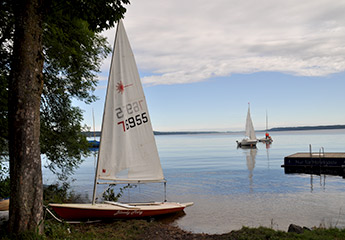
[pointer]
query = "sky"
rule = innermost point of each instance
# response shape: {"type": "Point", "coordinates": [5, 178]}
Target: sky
{"type": "Point", "coordinates": [201, 63]}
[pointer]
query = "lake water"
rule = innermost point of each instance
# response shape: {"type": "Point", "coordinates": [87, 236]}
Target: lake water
{"type": "Point", "coordinates": [233, 187]}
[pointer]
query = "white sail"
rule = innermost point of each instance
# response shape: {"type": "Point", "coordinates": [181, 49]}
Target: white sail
{"type": "Point", "coordinates": [128, 150]}
{"type": "Point", "coordinates": [250, 132]}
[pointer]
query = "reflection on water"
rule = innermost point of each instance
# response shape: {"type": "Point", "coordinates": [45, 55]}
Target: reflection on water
{"type": "Point", "coordinates": [170, 218]}
{"type": "Point", "coordinates": [250, 157]}
{"type": "Point", "coordinates": [233, 187]}
{"type": "Point", "coordinates": [315, 170]}
{"type": "Point", "coordinates": [317, 175]}
{"type": "Point", "coordinates": [322, 182]}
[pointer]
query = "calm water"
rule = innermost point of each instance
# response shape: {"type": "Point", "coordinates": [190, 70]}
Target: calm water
{"type": "Point", "coordinates": [233, 187]}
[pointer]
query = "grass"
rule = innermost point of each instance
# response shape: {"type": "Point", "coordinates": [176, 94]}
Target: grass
{"type": "Point", "coordinates": [110, 230]}
{"type": "Point", "coordinates": [105, 230]}
{"type": "Point", "coordinates": [267, 233]}
{"type": "Point", "coordinates": [142, 229]}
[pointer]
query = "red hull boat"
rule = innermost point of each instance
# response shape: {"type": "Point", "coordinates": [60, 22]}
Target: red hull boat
{"type": "Point", "coordinates": [127, 153]}
{"type": "Point", "coordinates": [113, 210]}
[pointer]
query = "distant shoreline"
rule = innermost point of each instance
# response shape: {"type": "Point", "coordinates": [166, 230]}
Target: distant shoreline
{"type": "Point", "coordinates": [300, 128]}
{"type": "Point", "coordinates": [304, 128]}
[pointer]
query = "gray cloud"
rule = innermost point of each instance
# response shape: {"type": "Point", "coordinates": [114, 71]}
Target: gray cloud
{"type": "Point", "coordinates": [190, 41]}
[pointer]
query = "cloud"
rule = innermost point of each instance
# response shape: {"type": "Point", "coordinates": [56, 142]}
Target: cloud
{"type": "Point", "coordinates": [190, 41]}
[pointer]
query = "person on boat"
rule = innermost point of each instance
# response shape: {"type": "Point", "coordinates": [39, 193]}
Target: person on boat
{"type": "Point", "coordinates": [267, 135]}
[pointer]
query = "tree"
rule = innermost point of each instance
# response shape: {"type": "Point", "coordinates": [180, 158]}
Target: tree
{"type": "Point", "coordinates": [34, 20]}
{"type": "Point", "coordinates": [26, 87]}
{"type": "Point", "coordinates": [69, 72]}
{"type": "Point", "coordinates": [73, 54]}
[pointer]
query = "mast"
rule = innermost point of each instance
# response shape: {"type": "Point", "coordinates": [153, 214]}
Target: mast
{"type": "Point", "coordinates": [266, 122]}
{"type": "Point", "coordinates": [93, 118]}
{"type": "Point", "coordinates": [105, 103]}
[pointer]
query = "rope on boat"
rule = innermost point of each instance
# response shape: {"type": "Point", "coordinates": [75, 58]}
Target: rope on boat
{"type": "Point", "coordinates": [165, 191]}
{"type": "Point", "coordinates": [70, 222]}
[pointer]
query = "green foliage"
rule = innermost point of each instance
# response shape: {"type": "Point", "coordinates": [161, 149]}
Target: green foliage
{"type": "Point", "coordinates": [268, 233]}
{"type": "Point", "coordinates": [136, 229]}
{"type": "Point", "coordinates": [4, 187]}
{"type": "Point", "coordinates": [100, 14]}
{"type": "Point", "coordinates": [259, 233]}
{"type": "Point", "coordinates": [4, 177]}
{"type": "Point", "coordinates": [73, 55]}
{"type": "Point", "coordinates": [6, 34]}
{"type": "Point", "coordinates": [106, 230]}
{"type": "Point", "coordinates": [62, 141]}
{"type": "Point", "coordinates": [73, 51]}
{"type": "Point", "coordinates": [325, 234]}
{"type": "Point", "coordinates": [109, 194]}
{"type": "Point", "coordinates": [57, 193]}
{"type": "Point", "coordinates": [27, 235]}
{"type": "Point", "coordinates": [4, 167]}
{"type": "Point", "coordinates": [54, 230]}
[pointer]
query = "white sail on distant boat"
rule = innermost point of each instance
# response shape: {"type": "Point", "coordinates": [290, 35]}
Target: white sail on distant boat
{"type": "Point", "coordinates": [250, 139]}
{"type": "Point", "coordinates": [267, 139]}
{"type": "Point", "coordinates": [128, 152]}
{"type": "Point", "coordinates": [94, 143]}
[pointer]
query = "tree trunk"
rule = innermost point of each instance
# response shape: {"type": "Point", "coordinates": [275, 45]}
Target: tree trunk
{"type": "Point", "coordinates": [25, 88]}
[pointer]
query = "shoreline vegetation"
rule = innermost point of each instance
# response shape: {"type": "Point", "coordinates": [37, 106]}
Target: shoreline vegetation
{"type": "Point", "coordinates": [148, 229]}
{"type": "Point", "coordinates": [300, 128]}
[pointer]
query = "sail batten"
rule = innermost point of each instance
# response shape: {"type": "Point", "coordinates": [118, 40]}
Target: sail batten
{"type": "Point", "coordinates": [127, 149]}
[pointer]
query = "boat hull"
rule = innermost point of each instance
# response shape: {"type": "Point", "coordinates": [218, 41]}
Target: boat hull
{"type": "Point", "coordinates": [94, 145]}
{"type": "Point", "coordinates": [247, 143]}
{"type": "Point", "coordinates": [266, 140]}
{"type": "Point", "coordinates": [107, 211]}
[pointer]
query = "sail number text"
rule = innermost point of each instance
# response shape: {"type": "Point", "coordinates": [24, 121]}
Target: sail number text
{"type": "Point", "coordinates": [129, 109]}
{"type": "Point", "coordinates": [132, 122]}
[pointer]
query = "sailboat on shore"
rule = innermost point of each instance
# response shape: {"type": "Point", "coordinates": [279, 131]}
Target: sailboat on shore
{"type": "Point", "coordinates": [128, 152]}
{"type": "Point", "coordinates": [250, 139]}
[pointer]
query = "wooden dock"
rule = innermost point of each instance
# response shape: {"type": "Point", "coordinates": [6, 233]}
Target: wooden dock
{"type": "Point", "coordinates": [331, 163]}
{"type": "Point", "coordinates": [315, 159]}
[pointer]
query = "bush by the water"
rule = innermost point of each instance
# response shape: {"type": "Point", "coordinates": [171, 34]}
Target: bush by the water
{"type": "Point", "coordinates": [60, 193]}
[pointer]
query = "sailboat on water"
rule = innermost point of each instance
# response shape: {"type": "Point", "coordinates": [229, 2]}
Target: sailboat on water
{"type": "Point", "coordinates": [250, 139]}
{"type": "Point", "coordinates": [94, 143]}
{"type": "Point", "coordinates": [128, 152]}
{"type": "Point", "coordinates": [267, 139]}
